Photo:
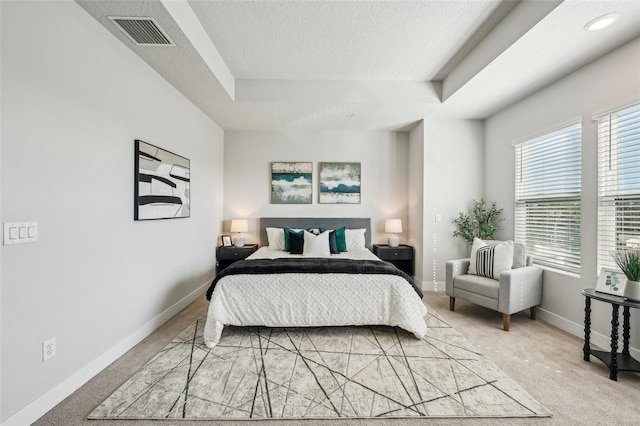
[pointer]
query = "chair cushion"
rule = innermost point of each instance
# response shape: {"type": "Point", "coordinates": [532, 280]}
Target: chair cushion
{"type": "Point", "coordinates": [479, 285]}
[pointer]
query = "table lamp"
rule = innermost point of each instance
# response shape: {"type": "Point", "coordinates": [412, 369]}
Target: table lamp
{"type": "Point", "coordinates": [239, 226]}
{"type": "Point", "coordinates": [392, 227]}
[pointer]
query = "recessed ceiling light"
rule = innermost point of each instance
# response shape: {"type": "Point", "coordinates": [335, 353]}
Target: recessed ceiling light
{"type": "Point", "coordinates": [601, 22]}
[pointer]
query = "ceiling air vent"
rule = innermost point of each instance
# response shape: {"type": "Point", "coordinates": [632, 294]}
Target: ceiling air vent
{"type": "Point", "coordinates": [143, 31]}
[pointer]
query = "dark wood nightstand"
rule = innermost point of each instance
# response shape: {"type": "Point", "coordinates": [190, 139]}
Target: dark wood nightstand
{"type": "Point", "coordinates": [227, 255]}
{"type": "Point", "coordinates": [401, 257]}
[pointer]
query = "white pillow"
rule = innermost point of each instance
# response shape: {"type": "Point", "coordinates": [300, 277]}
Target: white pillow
{"type": "Point", "coordinates": [355, 239]}
{"type": "Point", "coordinates": [275, 236]}
{"type": "Point", "coordinates": [316, 245]}
{"type": "Point", "coordinates": [492, 260]}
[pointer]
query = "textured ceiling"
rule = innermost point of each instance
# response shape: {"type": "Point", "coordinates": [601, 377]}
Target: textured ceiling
{"type": "Point", "coordinates": [362, 40]}
{"type": "Point", "coordinates": [366, 65]}
{"type": "Point", "coordinates": [557, 45]}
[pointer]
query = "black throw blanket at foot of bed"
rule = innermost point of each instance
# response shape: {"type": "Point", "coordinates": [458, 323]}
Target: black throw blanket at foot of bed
{"type": "Point", "coordinates": [311, 266]}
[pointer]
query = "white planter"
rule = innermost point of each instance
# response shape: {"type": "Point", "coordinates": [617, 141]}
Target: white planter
{"type": "Point", "coordinates": [632, 290]}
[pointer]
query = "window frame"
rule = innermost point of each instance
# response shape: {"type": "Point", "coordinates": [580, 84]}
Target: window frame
{"type": "Point", "coordinates": [548, 196]}
{"type": "Point", "coordinates": [618, 211]}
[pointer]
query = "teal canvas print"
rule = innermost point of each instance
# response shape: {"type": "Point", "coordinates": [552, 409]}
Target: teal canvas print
{"type": "Point", "coordinates": [339, 183]}
{"type": "Point", "coordinates": [291, 183]}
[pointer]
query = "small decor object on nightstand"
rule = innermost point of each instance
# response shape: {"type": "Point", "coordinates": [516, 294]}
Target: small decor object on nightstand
{"type": "Point", "coordinates": [239, 226]}
{"type": "Point", "coordinates": [393, 227]}
{"type": "Point", "coordinates": [226, 240]}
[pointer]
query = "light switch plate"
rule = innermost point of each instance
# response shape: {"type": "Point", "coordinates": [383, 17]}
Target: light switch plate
{"type": "Point", "coordinates": [20, 232]}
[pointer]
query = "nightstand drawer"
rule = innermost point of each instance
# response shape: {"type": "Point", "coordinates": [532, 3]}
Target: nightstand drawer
{"type": "Point", "coordinates": [235, 253]}
{"type": "Point", "coordinates": [401, 257]}
{"type": "Point", "coordinates": [228, 255]}
{"type": "Point", "coordinates": [385, 253]}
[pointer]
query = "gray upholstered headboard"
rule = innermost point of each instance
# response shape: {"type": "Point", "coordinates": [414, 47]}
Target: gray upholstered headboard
{"type": "Point", "coordinates": [314, 222]}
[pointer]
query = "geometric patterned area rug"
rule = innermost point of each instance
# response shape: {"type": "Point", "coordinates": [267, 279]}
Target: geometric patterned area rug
{"type": "Point", "coordinates": [324, 372]}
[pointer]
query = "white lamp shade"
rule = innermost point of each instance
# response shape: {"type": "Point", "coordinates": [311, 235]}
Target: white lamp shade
{"type": "Point", "coordinates": [239, 225]}
{"type": "Point", "coordinates": [393, 226]}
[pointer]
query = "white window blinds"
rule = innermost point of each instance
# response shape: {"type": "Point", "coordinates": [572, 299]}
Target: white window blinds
{"type": "Point", "coordinates": [618, 183]}
{"type": "Point", "coordinates": [548, 186]}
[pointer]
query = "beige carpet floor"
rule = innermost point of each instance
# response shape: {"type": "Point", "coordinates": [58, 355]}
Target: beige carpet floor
{"type": "Point", "coordinates": [320, 373]}
{"type": "Point", "coordinates": [545, 361]}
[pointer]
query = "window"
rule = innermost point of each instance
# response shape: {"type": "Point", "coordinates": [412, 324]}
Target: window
{"type": "Point", "coordinates": [548, 186]}
{"type": "Point", "coordinates": [618, 183]}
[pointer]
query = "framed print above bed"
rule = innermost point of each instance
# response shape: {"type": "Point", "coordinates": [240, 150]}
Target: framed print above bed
{"type": "Point", "coordinates": [291, 182]}
{"type": "Point", "coordinates": [339, 183]}
{"type": "Point", "coordinates": [162, 183]}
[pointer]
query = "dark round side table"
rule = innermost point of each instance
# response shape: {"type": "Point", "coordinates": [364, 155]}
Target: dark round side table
{"type": "Point", "coordinates": [615, 361]}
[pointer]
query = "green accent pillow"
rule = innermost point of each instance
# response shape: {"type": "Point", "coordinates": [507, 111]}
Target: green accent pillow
{"type": "Point", "coordinates": [287, 240]}
{"type": "Point", "coordinates": [341, 240]}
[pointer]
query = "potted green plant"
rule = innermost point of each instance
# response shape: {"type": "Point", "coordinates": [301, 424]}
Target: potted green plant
{"type": "Point", "coordinates": [483, 221]}
{"type": "Point", "coordinates": [628, 260]}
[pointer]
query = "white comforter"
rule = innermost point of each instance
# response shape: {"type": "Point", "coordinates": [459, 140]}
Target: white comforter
{"type": "Point", "coordinates": [310, 300]}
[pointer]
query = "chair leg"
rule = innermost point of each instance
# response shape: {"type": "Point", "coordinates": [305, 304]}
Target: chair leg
{"type": "Point", "coordinates": [533, 312]}
{"type": "Point", "coordinates": [506, 320]}
{"type": "Point", "coordinates": [452, 303]}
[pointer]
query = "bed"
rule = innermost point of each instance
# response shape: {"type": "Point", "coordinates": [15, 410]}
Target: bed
{"type": "Point", "coordinates": [275, 288]}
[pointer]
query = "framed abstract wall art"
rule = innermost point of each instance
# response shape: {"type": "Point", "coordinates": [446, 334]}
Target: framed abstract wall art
{"type": "Point", "coordinates": [291, 182]}
{"type": "Point", "coordinates": [162, 183]}
{"type": "Point", "coordinates": [611, 282]}
{"type": "Point", "coordinates": [339, 183]}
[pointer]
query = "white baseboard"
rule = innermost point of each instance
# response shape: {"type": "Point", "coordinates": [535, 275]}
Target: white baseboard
{"type": "Point", "coordinates": [576, 329]}
{"type": "Point", "coordinates": [430, 285]}
{"type": "Point", "coordinates": [51, 398]}
{"type": "Point", "coordinates": [562, 323]}
{"type": "Point", "coordinates": [597, 339]}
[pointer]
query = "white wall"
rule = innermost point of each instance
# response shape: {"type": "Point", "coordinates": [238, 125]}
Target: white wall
{"type": "Point", "coordinates": [609, 82]}
{"type": "Point", "coordinates": [453, 169]}
{"type": "Point", "coordinates": [74, 98]}
{"type": "Point", "coordinates": [247, 175]}
{"type": "Point", "coordinates": [415, 194]}
{"type": "Point", "coordinates": [435, 168]}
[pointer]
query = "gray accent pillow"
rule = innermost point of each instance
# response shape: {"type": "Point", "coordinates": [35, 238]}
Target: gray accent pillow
{"type": "Point", "coordinates": [519, 255]}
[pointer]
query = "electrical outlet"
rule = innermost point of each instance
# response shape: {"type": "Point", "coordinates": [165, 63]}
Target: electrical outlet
{"type": "Point", "coordinates": [48, 349]}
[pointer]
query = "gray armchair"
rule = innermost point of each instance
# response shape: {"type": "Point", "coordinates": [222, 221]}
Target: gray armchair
{"type": "Point", "coordinates": [518, 288]}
